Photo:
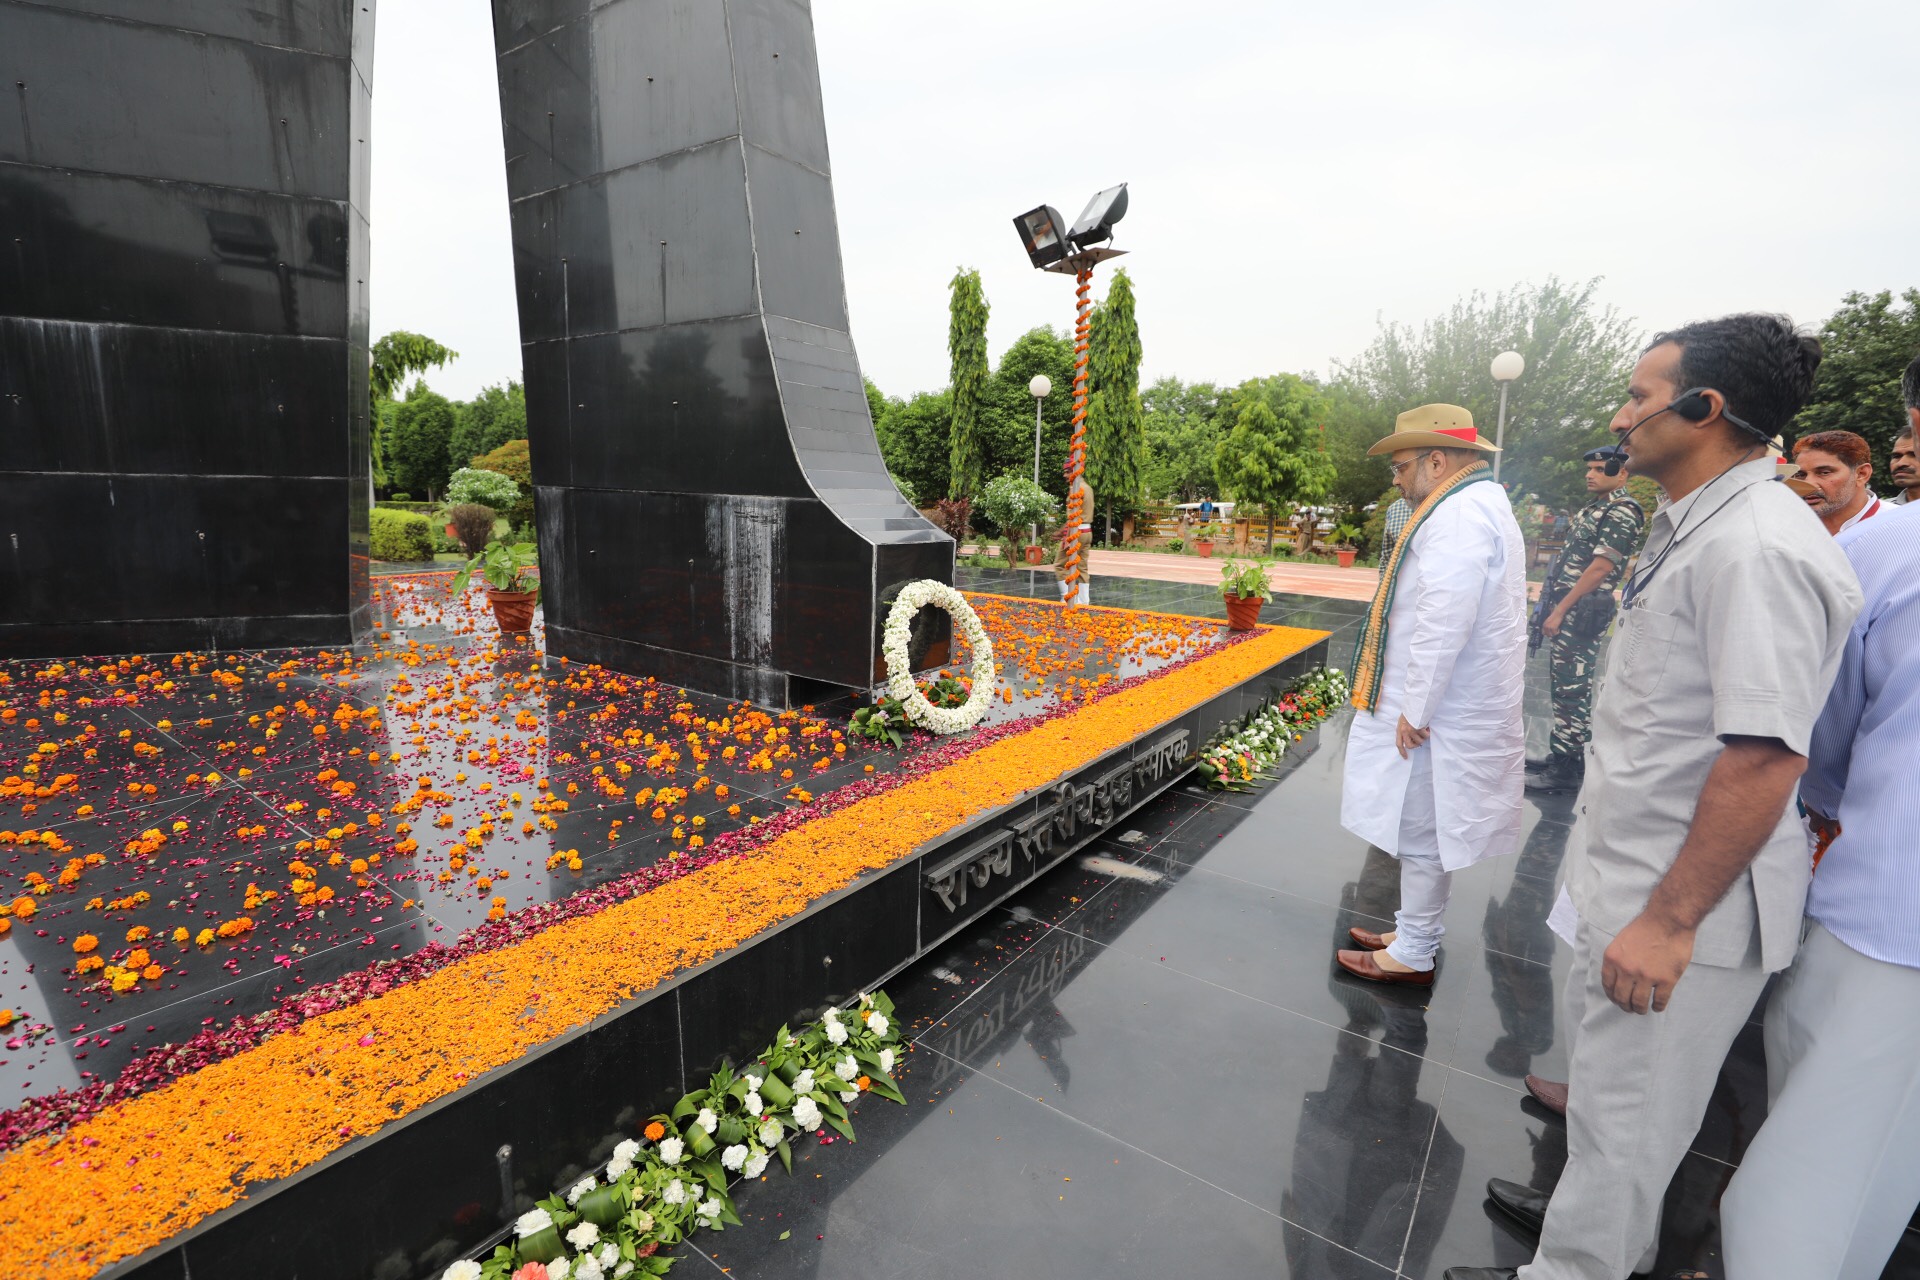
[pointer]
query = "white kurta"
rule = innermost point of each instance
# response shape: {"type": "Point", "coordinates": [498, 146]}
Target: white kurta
{"type": "Point", "coordinates": [1455, 663]}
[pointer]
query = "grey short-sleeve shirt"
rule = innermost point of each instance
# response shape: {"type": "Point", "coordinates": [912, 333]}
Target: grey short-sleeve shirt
{"type": "Point", "coordinates": [1742, 607]}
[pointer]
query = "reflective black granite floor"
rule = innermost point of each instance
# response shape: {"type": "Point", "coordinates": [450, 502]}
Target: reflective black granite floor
{"type": "Point", "coordinates": [1161, 1072]}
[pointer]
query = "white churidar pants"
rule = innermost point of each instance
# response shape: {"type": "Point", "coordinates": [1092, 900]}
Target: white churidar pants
{"type": "Point", "coordinates": [1637, 1088]}
{"type": "Point", "coordinates": [1832, 1177]}
{"type": "Point", "coordinates": [1424, 884]}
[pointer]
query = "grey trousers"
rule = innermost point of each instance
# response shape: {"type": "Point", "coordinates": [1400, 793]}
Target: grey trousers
{"type": "Point", "coordinates": [1833, 1175]}
{"type": "Point", "coordinates": [1637, 1087]}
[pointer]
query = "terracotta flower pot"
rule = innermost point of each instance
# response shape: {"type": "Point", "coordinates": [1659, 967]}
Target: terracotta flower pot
{"type": "Point", "coordinates": [452, 532]}
{"type": "Point", "coordinates": [1036, 554]}
{"type": "Point", "coordinates": [1204, 547]}
{"type": "Point", "coordinates": [1346, 555]}
{"type": "Point", "coordinates": [1243, 614]}
{"type": "Point", "coordinates": [513, 610]}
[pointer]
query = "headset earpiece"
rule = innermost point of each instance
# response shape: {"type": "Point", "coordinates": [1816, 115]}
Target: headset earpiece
{"type": "Point", "coordinates": [1693, 405]}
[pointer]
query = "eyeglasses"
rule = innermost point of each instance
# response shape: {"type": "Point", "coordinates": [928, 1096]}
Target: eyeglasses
{"type": "Point", "coordinates": [1394, 469]}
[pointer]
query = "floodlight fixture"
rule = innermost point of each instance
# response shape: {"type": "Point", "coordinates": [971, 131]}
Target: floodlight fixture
{"type": "Point", "coordinates": [1044, 234]}
{"type": "Point", "coordinates": [1095, 222]}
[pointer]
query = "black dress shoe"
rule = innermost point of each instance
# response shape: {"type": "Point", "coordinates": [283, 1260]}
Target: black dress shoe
{"type": "Point", "coordinates": [1481, 1273]}
{"type": "Point", "coordinates": [1523, 1205]}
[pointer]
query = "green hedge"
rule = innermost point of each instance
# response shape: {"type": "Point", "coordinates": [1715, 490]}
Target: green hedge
{"type": "Point", "coordinates": [401, 535]}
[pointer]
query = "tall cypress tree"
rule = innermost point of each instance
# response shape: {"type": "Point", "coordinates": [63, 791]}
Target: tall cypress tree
{"type": "Point", "coordinates": [1116, 424]}
{"type": "Point", "coordinates": [967, 347]}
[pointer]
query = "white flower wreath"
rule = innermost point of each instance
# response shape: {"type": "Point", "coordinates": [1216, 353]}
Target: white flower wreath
{"type": "Point", "coordinates": [893, 647]}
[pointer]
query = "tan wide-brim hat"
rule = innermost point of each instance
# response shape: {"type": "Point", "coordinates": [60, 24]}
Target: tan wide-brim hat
{"type": "Point", "coordinates": [1788, 473]}
{"type": "Point", "coordinates": [1434, 426]}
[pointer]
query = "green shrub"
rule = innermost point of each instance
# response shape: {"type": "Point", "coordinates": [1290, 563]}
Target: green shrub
{"type": "Point", "coordinates": [514, 462]}
{"type": "Point", "coordinates": [403, 497]}
{"type": "Point", "coordinates": [1013, 502]}
{"type": "Point", "coordinates": [510, 460]}
{"type": "Point", "coordinates": [405, 536]}
{"type": "Point", "coordinates": [472, 524]}
{"type": "Point", "coordinates": [483, 488]}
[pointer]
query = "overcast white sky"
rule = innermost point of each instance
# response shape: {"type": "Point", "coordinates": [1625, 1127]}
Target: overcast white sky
{"type": "Point", "coordinates": [1296, 170]}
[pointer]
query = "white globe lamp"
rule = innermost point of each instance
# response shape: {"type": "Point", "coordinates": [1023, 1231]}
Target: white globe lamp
{"type": "Point", "coordinates": [1507, 366]}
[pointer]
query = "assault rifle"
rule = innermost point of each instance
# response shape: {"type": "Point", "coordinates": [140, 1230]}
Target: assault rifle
{"type": "Point", "coordinates": [1549, 597]}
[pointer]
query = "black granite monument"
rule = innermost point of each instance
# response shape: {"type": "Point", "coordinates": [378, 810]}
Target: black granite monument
{"type": "Point", "coordinates": [184, 445]}
{"type": "Point", "coordinates": [712, 504]}
{"type": "Point", "coordinates": [183, 324]}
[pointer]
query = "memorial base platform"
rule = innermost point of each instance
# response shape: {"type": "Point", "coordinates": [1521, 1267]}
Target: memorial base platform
{"type": "Point", "coordinates": [333, 961]}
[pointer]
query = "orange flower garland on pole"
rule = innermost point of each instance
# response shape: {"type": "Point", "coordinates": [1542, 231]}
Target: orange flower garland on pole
{"type": "Point", "coordinates": [1073, 569]}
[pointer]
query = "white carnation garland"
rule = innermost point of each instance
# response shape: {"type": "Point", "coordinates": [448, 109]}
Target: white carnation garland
{"type": "Point", "coordinates": [893, 647]}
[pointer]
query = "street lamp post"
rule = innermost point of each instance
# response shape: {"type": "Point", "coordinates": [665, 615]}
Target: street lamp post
{"type": "Point", "coordinates": [1038, 388]}
{"type": "Point", "coordinates": [1075, 251]}
{"type": "Point", "coordinates": [1507, 366]}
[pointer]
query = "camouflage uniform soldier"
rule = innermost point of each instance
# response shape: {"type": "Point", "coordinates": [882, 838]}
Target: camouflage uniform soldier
{"type": "Point", "coordinates": [1601, 537]}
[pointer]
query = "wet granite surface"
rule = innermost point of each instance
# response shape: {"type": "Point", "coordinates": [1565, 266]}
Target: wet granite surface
{"type": "Point", "coordinates": [1155, 1068]}
{"type": "Point", "coordinates": [244, 775]}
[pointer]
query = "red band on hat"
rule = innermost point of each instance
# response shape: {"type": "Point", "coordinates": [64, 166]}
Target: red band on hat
{"type": "Point", "coordinates": [1459, 433]}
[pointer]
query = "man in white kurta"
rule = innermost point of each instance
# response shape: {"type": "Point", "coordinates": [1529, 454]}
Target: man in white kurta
{"type": "Point", "coordinates": [1434, 769]}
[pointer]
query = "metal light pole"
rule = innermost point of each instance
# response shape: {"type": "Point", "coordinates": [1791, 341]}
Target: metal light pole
{"type": "Point", "coordinates": [1074, 251]}
{"type": "Point", "coordinates": [1507, 366]}
{"type": "Point", "coordinates": [1039, 388]}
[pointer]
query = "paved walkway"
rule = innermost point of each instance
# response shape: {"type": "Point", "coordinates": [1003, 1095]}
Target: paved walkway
{"type": "Point", "coordinates": [1323, 580]}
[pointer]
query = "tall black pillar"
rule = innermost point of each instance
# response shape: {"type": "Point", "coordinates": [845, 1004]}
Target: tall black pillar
{"type": "Point", "coordinates": [712, 505]}
{"type": "Point", "coordinates": [183, 324]}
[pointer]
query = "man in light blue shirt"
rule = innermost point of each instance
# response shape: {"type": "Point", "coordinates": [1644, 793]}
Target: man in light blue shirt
{"type": "Point", "coordinates": [1832, 1177]}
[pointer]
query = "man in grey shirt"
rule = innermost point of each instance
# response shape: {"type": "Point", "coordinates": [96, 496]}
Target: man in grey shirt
{"type": "Point", "coordinates": [1686, 868]}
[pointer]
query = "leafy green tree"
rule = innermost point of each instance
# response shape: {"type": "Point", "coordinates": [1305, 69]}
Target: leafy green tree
{"type": "Point", "coordinates": [394, 357]}
{"type": "Point", "coordinates": [914, 440]}
{"type": "Point", "coordinates": [1181, 424]}
{"type": "Point", "coordinates": [967, 349]}
{"type": "Point", "coordinates": [489, 420]}
{"type": "Point", "coordinates": [1007, 414]}
{"type": "Point", "coordinates": [1116, 424]}
{"type": "Point", "coordinates": [1355, 422]}
{"type": "Point", "coordinates": [1273, 457]}
{"type": "Point", "coordinates": [876, 401]}
{"type": "Point", "coordinates": [1868, 344]}
{"type": "Point", "coordinates": [417, 458]}
{"type": "Point", "coordinates": [1578, 356]}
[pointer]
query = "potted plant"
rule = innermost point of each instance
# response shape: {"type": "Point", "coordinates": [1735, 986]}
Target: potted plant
{"type": "Point", "coordinates": [511, 589]}
{"type": "Point", "coordinates": [1244, 586]}
{"type": "Point", "coordinates": [1346, 541]}
{"type": "Point", "coordinates": [1203, 539]}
